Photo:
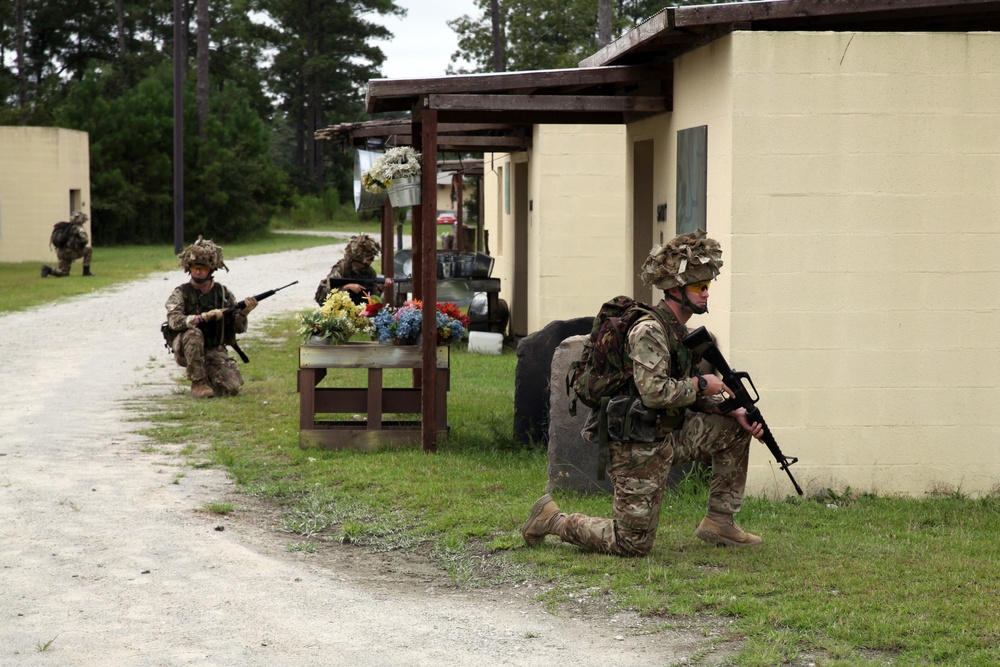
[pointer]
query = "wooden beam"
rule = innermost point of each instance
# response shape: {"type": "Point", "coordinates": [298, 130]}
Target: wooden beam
{"type": "Point", "coordinates": [564, 103]}
{"type": "Point", "coordinates": [474, 83]}
{"type": "Point", "coordinates": [428, 262]}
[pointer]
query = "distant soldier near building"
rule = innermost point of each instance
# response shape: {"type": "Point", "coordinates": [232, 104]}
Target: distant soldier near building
{"type": "Point", "coordinates": [70, 241]}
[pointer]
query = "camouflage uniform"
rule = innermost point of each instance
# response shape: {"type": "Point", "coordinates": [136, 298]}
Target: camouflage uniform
{"type": "Point", "coordinates": [670, 424]}
{"type": "Point", "coordinates": [638, 470]}
{"type": "Point", "coordinates": [359, 254]}
{"type": "Point", "coordinates": [77, 247]}
{"type": "Point", "coordinates": [202, 349]}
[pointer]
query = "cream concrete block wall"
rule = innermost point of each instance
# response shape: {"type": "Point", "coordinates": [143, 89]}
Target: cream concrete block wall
{"type": "Point", "coordinates": [866, 223]}
{"type": "Point", "coordinates": [39, 166]}
{"type": "Point", "coordinates": [497, 221]}
{"type": "Point", "coordinates": [579, 240]}
{"type": "Point", "coordinates": [578, 232]}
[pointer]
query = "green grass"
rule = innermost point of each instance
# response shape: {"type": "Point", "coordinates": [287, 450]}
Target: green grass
{"type": "Point", "coordinates": [21, 285]}
{"type": "Point", "coordinates": [843, 580]}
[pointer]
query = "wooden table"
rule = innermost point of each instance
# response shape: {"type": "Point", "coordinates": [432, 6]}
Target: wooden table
{"type": "Point", "coordinates": [374, 401]}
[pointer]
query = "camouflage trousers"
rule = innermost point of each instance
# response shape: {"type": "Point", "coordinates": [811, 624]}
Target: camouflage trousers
{"type": "Point", "coordinates": [66, 258]}
{"type": "Point", "coordinates": [639, 471]}
{"type": "Point", "coordinates": [213, 365]}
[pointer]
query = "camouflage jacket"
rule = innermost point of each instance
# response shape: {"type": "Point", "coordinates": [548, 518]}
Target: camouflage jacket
{"type": "Point", "coordinates": [663, 369]}
{"type": "Point", "coordinates": [186, 301]}
{"type": "Point", "coordinates": [342, 270]}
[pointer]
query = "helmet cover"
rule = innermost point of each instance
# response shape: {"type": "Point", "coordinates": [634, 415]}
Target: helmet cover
{"type": "Point", "coordinates": [362, 249]}
{"type": "Point", "coordinates": [685, 259]}
{"type": "Point", "coordinates": [202, 252]}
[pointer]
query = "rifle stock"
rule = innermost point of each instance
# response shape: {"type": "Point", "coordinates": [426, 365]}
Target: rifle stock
{"type": "Point", "coordinates": [701, 343]}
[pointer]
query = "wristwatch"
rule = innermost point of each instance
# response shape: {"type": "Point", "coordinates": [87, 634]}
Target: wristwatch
{"type": "Point", "coordinates": [702, 384]}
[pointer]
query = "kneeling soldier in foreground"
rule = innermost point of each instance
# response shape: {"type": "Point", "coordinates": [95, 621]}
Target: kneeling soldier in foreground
{"type": "Point", "coordinates": [688, 425]}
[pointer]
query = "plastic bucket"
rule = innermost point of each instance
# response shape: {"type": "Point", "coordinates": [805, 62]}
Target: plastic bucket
{"type": "Point", "coordinates": [485, 343]}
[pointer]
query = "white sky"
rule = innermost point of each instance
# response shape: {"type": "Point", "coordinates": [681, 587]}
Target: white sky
{"type": "Point", "coordinates": [422, 42]}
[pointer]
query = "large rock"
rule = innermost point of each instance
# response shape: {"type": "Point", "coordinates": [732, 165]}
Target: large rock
{"type": "Point", "coordinates": [531, 378]}
{"type": "Point", "coordinates": [572, 460]}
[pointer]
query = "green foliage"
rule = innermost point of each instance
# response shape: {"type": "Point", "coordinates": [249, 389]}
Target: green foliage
{"type": "Point", "coordinates": [231, 187]}
{"type": "Point", "coordinates": [106, 68]}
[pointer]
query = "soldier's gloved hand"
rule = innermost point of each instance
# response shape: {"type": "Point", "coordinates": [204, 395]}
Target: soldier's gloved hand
{"type": "Point", "coordinates": [213, 315]}
{"type": "Point", "coordinates": [251, 303]}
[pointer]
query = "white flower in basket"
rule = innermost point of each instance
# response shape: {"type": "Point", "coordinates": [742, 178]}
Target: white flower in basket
{"type": "Point", "coordinates": [395, 163]}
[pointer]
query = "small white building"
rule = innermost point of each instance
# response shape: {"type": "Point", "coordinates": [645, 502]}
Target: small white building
{"type": "Point", "coordinates": [44, 179]}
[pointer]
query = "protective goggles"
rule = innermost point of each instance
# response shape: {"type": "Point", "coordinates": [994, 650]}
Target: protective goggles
{"type": "Point", "coordinates": [698, 288]}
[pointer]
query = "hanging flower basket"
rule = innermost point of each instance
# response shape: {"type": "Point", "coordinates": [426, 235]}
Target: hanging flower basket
{"type": "Point", "coordinates": [395, 164]}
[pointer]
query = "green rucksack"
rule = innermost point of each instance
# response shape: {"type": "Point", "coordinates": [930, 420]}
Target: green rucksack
{"type": "Point", "coordinates": [605, 369]}
{"type": "Point", "coordinates": [61, 233]}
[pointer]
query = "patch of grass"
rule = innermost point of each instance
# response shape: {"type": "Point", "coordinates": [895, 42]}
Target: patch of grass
{"type": "Point", "coordinates": [219, 508]}
{"type": "Point", "coordinates": [45, 646]}
{"type": "Point", "coordinates": [301, 547]}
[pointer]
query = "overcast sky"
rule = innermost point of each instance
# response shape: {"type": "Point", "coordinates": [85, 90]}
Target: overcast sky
{"type": "Point", "coordinates": [422, 43]}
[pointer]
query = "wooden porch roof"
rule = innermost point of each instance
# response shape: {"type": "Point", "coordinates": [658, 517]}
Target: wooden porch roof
{"type": "Point", "coordinates": [675, 30]}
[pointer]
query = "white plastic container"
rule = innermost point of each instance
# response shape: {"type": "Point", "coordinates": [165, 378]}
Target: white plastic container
{"type": "Point", "coordinates": [485, 343]}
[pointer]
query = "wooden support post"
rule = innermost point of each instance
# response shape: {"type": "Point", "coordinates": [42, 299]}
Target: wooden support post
{"type": "Point", "coordinates": [428, 262]}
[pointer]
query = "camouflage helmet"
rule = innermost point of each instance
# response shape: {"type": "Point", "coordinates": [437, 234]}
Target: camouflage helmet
{"type": "Point", "coordinates": [202, 252]}
{"type": "Point", "coordinates": [686, 259]}
{"type": "Point", "coordinates": [362, 249]}
{"type": "Point", "coordinates": [79, 218]}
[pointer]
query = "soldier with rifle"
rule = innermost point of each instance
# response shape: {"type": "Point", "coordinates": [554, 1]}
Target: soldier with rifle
{"type": "Point", "coordinates": [203, 317]}
{"type": "Point", "coordinates": [354, 273]}
{"type": "Point", "coordinates": [677, 416]}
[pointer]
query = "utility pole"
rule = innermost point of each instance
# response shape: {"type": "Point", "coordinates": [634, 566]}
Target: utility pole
{"type": "Point", "coordinates": [179, 61]}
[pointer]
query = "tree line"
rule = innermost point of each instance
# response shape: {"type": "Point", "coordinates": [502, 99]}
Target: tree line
{"type": "Point", "coordinates": [261, 76]}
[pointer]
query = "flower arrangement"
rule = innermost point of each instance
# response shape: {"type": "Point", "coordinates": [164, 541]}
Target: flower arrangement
{"type": "Point", "coordinates": [402, 325]}
{"type": "Point", "coordinates": [335, 321]}
{"type": "Point", "coordinates": [395, 163]}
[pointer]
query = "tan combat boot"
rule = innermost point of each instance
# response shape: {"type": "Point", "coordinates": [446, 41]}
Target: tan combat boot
{"type": "Point", "coordinates": [719, 528]}
{"type": "Point", "coordinates": [545, 519]}
{"type": "Point", "coordinates": [201, 389]}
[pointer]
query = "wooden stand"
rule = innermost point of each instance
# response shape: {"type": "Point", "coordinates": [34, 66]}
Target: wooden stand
{"type": "Point", "coordinates": [373, 400]}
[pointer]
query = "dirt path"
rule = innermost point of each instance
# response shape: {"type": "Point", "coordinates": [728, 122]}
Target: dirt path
{"type": "Point", "coordinates": [105, 560]}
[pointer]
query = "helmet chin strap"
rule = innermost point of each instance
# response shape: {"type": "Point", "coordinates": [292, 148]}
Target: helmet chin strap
{"type": "Point", "coordinates": [686, 302]}
{"type": "Point", "coordinates": [202, 281]}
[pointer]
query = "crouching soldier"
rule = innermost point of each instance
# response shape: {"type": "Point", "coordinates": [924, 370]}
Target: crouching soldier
{"type": "Point", "coordinates": [70, 241]}
{"type": "Point", "coordinates": [199, 326]}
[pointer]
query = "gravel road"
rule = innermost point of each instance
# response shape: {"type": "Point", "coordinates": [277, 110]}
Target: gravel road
{"type": "Point", "coordinates": [105, 558]}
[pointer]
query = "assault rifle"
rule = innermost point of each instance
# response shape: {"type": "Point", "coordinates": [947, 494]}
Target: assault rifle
{"type": "Point", "coordinates": [701, 343]}
{"type": "Point", "coordinates": [367, 283]}
{"type": "Point", "coordinates": [169, 334]}
{"type": "Point", "coordinates": [260, 297]}
{"type": "Point", "coordinates": [240, 305]}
